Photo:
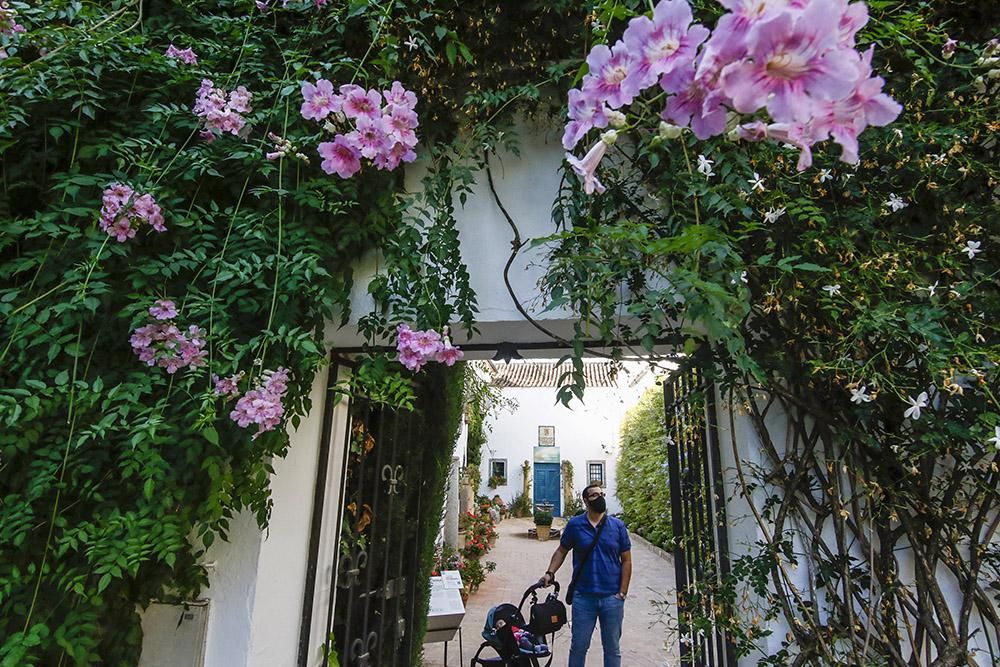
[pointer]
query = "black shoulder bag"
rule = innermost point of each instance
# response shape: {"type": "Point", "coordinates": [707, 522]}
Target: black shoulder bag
{"type": "Point", "coordinates": [577, 570]}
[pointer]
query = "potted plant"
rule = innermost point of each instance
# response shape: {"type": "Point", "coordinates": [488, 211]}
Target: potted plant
{"type": "Point", "coordinates": [474, 573]}
{"type": "Point", "coordinates": [496, 480]}
{"type": "Point", "coordinates": [475, 549]}
{"type": "Point", "coordinates": [543, 524]}
{"type": "Point", "coordinates": [465, 524]}
{"type": "Point", "coordinates": [491, 537]}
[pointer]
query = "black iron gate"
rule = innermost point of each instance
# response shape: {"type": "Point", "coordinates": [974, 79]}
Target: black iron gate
{"type": "Point", "coordinates": [372, 617]}
{"type": "Point", "coordinates": [698, 514]}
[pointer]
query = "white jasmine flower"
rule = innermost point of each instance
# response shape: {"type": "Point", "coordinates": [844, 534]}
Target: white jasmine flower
{"type": "Point", "coordinates": [899, 132]}
{"type": "Point", "coordinates": [743, 277]}
{"type": "Point", "coordinates": [939, 158]}
{"type": "Point", "coordinates": [832, 290]}
{"type": "Point", "coordinates": [996, 437]}
{"type": "Point", "coordinates": [860, 395]}
{"type": "Point", "coordinates": [916, 405]}
{"type": "Point", "coordinates": [930, 289]}
{"type": "Point", "coordinates": [705, 166]}
{"type": "Point", "coordinates": [896, 203]}
{"type": "Point", "coordinates": [773, 214]}
{"type": "Point", "coordinates": [412, 42]}
{"type": "Point", "coordinates": [824, 176]}
{"type": "Point", "coordinates": [972, 248]}
{"type": "Point", "coordinates": [756, 183]}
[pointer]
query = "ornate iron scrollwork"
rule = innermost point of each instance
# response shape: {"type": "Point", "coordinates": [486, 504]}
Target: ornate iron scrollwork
{"type": "Point", "coordinates": [361, 650]}
{"type": "Point", "coordinates": [351, 566]}
{"type": "Point", "coordinates": [393, 475]}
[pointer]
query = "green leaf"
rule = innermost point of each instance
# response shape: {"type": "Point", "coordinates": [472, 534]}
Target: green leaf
{"type": "Point", "coordinates": [809, 266]}
{"type": "Point", "coordinates": [211, 435]}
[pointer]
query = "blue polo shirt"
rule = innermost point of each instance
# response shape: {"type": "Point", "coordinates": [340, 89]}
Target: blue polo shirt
{"type": "Point", "coordinates": [602, 574]}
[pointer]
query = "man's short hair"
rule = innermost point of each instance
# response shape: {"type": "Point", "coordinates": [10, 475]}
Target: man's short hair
{"type": "Point", "coordinates": [592, 485]}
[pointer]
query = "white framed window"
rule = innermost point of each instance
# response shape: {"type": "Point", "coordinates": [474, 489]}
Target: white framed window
{"type": "Point", "coordinates": [498, 469]}
{"type": "Point", "coordinates": [595, 473]}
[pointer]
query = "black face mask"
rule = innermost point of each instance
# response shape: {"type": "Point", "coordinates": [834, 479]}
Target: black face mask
{"type": "Point", "coordinates": [598, 504]}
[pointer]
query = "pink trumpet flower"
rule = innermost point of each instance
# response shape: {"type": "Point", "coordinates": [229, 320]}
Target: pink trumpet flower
{"type": "Point", "coordinates": [586, 167]}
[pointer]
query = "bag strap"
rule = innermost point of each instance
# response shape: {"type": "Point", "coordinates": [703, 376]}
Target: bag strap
{"type": "Point", "coordinates": [578, 570]}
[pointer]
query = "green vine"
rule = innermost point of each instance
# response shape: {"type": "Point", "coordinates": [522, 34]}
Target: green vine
{"type": "Point", "coordinates": [109, 467]}
{"type": "Point", "coordinates": [848, 315]}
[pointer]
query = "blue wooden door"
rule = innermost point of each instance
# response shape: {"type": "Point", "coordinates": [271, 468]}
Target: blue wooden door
{"type": "Point", "coordinates": [547, 486]}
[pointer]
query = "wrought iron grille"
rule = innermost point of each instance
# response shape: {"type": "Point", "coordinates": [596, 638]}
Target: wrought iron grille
{"type": "Point", "coordinates": [698, 514]}
{"type": "Point", "coordinates": [373, 614]}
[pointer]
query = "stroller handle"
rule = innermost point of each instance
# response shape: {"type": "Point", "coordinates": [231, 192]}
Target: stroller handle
{"type": "Point", "coordinates": [539, 586]}
{"type": "Point", "coordinates": [535, 587]}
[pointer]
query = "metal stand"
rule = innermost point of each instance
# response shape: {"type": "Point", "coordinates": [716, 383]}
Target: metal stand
{"type": "Point", "coordinates": [461, 650]}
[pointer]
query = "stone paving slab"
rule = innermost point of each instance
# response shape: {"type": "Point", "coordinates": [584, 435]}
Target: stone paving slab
{"type": "Point", "coordinates": [521, 560]}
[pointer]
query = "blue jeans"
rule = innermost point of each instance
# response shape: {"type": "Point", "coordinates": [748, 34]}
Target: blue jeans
{"type": "Point", "coordinates": [587, 609]}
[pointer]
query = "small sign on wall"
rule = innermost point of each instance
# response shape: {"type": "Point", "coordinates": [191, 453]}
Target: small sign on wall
{"type": "Point", "coordinates": [546, 436]}
{"type": "Point", "coordinates": [546, 455]}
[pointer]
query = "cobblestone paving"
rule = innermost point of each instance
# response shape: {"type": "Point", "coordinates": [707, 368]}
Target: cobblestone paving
{"type": "Point", "coordinates": [521, 560]}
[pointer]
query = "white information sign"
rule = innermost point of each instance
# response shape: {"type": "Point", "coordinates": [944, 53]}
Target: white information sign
{"type": "Point", "coordinates": [452, 579]}
{"type": "Point", "coordinates": [446, 610]}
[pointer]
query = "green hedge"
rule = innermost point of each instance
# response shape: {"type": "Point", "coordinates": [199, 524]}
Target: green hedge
{"type": "Point", "coordinates": [439, 406]}
{"type": "Point", "coordinates": [643, 487]}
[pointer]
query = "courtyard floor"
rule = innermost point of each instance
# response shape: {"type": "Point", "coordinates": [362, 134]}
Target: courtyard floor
{"type": "Point", "coordinates": [521, 560]}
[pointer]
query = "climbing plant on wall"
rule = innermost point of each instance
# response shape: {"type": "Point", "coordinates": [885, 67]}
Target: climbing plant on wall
{"type": "Point", "coordinates": [850, 299]}
{"type": "Point", "coordinates": [186, 186]}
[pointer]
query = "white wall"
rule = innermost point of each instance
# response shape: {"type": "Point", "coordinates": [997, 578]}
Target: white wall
{"type": "Point", "coordinates": [527, 186]}
{"type": "Point", "coordinates": [588, 431]}
{"type": "Point", "coordinates": [284, 551]}
{"type": "Point", "coordinates": [257, 579]}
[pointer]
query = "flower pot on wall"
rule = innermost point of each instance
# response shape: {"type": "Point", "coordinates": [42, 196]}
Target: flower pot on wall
{"type": "Point", "coordinates": [542, 532]}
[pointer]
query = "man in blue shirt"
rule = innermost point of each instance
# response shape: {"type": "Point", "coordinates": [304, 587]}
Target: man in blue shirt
{"type": "Point", "coordinates": [601, 583]}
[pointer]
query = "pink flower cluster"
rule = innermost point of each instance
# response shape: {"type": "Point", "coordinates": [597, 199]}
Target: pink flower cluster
{"type": "Point", "coordinates": [8, 20]}
{"type": "Point", "coordinates": [380, 126]}
{"type": "Point", "coordinates": [794, 59]}
{"type": "Point", "coordinates": [416, 348]}
{"type": "Point", "coordinates": [123, 212]}
{"type": "Point", "coordinates": [162, 343]}
{"type": "Point", "coordinates": [227, 387]}
{"type": "Point", "coordinates": [187, 56]}
{"type": "Point", "coordinates": [262, 405]}
{"type": "Point", "coordinates": [222, 112]}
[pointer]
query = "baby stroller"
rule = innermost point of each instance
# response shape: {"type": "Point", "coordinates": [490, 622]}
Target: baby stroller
{"type": "Point", "coordinates": [518, 643]}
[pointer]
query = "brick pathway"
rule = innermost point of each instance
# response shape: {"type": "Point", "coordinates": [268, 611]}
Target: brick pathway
{"type": "Point", "coordinates": [521, 560]}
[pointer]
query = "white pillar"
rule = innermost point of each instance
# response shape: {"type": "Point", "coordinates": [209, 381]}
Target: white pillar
{"type": "Point", "coordinates": [451, 506]}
